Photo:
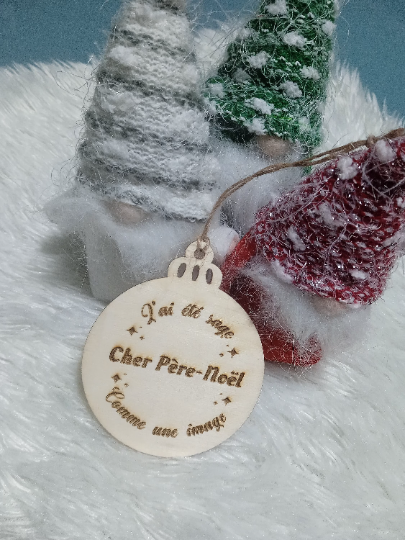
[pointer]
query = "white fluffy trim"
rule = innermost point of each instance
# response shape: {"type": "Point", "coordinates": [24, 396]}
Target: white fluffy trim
{"type": "Point", "coordinates": [294, 310]}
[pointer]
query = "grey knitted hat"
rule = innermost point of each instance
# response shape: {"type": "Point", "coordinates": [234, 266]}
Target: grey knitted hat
{"type": "Point", "coordinates": [146, 140]}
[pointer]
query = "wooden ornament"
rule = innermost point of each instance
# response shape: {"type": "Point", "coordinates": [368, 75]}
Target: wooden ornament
{"type": "Point", "coordinates": [174, 366]}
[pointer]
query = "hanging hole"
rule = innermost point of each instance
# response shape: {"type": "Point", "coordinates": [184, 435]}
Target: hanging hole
{"type": "Point", "coordinates": [196, 272]}
{"type": "Point", "coordinates": [199, 254]}
{"type": "Point", "coordinates": [181, 270]}
{"type": "Point", "coordinates": [209, 275]}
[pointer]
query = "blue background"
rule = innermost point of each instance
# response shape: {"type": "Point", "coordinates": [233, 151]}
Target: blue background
{"type": "Point", "coordinates": [370, 35]}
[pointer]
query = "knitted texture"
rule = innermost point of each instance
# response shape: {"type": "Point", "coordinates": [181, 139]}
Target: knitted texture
{"type": "Point", "coordinates": [274, 78]}
{"type": "Point", "coordinates": [339, 233]}
{"type": "Point", "coordinates": [146, 138]}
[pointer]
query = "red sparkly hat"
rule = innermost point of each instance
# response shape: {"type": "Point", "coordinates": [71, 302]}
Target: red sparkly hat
{"type": "Point", "coordinates": [336, 234]}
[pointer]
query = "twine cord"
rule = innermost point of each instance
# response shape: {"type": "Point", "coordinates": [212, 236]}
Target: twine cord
{"type": "Point", "coordinates": [318, 159]}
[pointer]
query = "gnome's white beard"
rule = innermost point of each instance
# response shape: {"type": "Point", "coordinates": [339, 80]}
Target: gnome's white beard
{"type": "Point", "coordinates": [121, 256]}
{"type": "Point", "coordinates": [237, 162]}
{"type": "Point", "coordinates": [294, 310]}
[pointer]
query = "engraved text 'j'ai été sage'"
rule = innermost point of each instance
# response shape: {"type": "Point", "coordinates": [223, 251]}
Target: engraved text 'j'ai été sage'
{"type": "Point", "coordinates": [151, 312]}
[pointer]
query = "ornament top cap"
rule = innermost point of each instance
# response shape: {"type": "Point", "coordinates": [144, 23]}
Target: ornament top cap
{"type": "Point", "coordinates": [197, 266]}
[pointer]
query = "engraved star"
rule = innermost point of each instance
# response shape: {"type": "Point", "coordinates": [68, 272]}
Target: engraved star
{"type": "Point", "coordinates": [116, 378]}
{"type": "Point", "coordinates": [142, 337]}
{"type": "Point", "coordinates": [227, 400]}
{"type": "Point", "coordinates": [233, 352]}
{"type": "Point", "coordinates": [132, 330]}
{"type": "Point", "coordinates": [221, 354]}
{"type": "Point", "coordinates": [215, 402]}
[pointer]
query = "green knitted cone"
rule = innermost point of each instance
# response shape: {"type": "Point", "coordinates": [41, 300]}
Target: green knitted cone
{"type": "Point", "coordinates": [273, 81]}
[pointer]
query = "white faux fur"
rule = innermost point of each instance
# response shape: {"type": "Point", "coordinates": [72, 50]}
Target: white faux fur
{"type": "Point", "coordinates": [320, 458]}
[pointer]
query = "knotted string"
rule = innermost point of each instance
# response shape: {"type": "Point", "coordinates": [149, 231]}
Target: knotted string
{"type": "Point", "coordinates": [318, 159]}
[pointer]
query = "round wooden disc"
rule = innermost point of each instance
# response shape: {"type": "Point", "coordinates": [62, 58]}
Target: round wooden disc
{"type": "Point", "coordinates": [172, 367]}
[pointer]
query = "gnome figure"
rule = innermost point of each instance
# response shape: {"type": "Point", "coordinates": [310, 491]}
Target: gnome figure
{"type": "Point", "coordinates": [146, 174]}
{"type": "Point", "coordinates": [272, 84]}
{"type": "Point", "coordinates": [330, 243]}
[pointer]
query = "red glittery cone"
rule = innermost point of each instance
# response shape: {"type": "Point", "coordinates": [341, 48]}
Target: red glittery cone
{"type": "Point", "coordinates": [334, 235]}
